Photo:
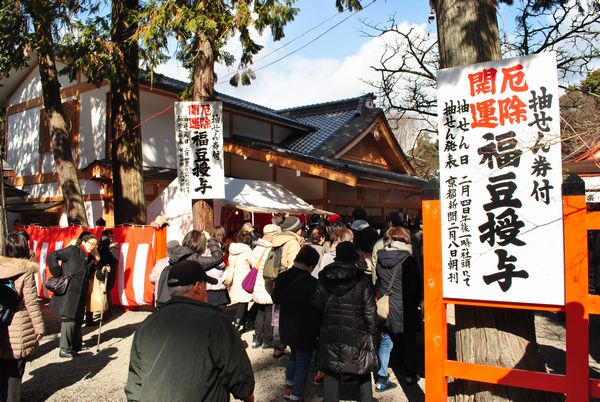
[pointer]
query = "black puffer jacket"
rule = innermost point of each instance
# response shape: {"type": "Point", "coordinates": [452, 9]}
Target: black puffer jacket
{"type": "Point", "coordinates": [346, 298]}
{"type": "Point", "coordinates": [181, 253]}
{"type": "Point", "coordinates": [406, 290]}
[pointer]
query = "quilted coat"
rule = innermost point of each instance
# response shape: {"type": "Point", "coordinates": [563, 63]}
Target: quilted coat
{"type": "Point", "coordinates": [19, 339]}
{"type": "Point", "coordinates": [346, 299]}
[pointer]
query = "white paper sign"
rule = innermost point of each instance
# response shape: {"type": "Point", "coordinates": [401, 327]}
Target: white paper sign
{"type": "Point", "coordinates": [199, 139]}
{"type": "Point", "coordinates": [500, 181]}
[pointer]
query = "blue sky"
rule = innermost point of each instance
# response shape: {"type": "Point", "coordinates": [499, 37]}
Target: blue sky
{"type": "Point", "coordinates": [335, 66]}
{"type": "Point", "coordinates": [331, 68]}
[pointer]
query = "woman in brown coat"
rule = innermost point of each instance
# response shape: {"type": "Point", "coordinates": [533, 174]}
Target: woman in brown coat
{"type": "Point", "coordinates": [21, 337]}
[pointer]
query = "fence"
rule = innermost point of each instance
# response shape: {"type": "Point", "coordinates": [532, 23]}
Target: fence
{"type": "Point", "coordinates": [139, 248]}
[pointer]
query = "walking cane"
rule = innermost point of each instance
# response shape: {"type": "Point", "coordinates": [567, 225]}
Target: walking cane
{"type": "Point", "coordinates": [102, 312]}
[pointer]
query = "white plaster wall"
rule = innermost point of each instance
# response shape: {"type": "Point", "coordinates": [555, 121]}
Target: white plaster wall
{"type": "Point", "coordinates": [31, 87]}
{"type": "Point", "coordinates": [158, 134]}
{"type": "Point", "coordinates": [92, 126]}
{"type": "Point", "coordinates": [174, 206]}
{"type": "Point", "coordinates": [249, 169]}
{"type": "Point", "coordinates": [93, 210]}
{"type": "Point", "coordinates": [45, 190]}
{"type": "Point", "coordinates": [23, 145]}
{"type": "Point", "coordinates": [251, 128]}
{"type": "Point", "coordinates": [305, 187]}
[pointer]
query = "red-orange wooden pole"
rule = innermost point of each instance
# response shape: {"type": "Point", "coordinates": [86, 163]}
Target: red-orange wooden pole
{"type": "Point", "coordinates": [576, 289]}
{"type": "Point", "coordinates": [436, 334]}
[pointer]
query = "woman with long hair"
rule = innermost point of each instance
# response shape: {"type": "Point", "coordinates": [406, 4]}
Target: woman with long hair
{"type": "Point", "coordinates": [21, 337]}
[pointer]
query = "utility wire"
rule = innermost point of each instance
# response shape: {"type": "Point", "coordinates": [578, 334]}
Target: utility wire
{"type": "Point", "coordinates": [306, 44]}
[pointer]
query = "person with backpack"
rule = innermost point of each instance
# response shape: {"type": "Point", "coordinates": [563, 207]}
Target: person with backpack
{"type": "Point", "coordinates": [398, 276]}
{"type": "Point", "coordinates": [22, 332]}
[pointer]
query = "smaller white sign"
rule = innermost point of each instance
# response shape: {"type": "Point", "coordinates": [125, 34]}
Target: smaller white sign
{"type": "Point", "coordinates": [199, 139]}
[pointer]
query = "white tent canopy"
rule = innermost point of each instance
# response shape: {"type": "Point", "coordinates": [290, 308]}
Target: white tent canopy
{"type": "Point", "coordinates": [263, 197]}
{"type": "Point", "coordinates": [249, 195]}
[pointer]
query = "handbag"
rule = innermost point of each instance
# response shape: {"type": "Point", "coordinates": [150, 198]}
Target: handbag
{"type": "Point", "coordinates": [250, 280]}
{"type": "Point", "coordinates": [383, 304]}
{"type": "Point", "coordinates": [58, 284]}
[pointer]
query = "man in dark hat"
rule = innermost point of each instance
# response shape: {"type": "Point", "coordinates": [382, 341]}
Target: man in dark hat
{"type": "Point", "coordinates": [188, 350]}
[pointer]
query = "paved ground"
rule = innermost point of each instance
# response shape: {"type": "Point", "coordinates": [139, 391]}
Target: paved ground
{"type": "Point", "coordinates": [101, 375]}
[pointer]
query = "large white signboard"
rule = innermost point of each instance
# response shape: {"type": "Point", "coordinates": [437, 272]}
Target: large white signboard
{"type": "Point", "coordinates": [199, 139]}
{"type": "Point", "coordinates": [500, 181]}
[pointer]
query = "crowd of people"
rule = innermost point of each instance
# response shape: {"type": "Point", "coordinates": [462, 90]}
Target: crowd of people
{"type": "Point", "coordinates": [309, 294]}
{"type": "Point", "coordinates": [308, 291]}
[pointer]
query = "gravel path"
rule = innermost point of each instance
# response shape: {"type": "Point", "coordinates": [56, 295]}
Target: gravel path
{"type": "Point", "coordinates": [101, 376]}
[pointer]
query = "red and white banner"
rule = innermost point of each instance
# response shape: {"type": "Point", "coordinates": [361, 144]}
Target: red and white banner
{"type": "Point", "coordinates": [138, 248]}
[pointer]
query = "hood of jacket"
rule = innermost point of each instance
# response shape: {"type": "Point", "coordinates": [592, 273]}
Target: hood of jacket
{"type": "Point", "coordinates": [389, 257]}
{"type": "Point", "coordinates": [264, 243]}
{"type": "Point", "coordinates": [340, 277]}
{"type": "Point", "coordinates": [283, 237]}
{"type": "Point", "coordinates": [238, 248]}
{"type": "Point", "coordinates": [179, 253]}
{"type": "Point", "coordinates": [10, 267]}
{"type": "Point", "coordinates": [359, 225]}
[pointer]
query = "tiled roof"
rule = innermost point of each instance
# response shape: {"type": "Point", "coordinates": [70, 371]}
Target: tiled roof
{"type": "Point", "coordinates": [172, 85]}
{"type": "Point", "coordinates": [364, 171]}
{"type": "Point", "coordinates": [337, 123]}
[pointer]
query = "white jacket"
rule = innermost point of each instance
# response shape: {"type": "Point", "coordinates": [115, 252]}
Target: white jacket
{"type": "Point", "coordinates": [240, 255]}
{"type": "Point", "coordinates": [259, 257]}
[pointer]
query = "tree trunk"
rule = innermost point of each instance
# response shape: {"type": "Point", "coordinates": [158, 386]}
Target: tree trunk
{"type": "Point", "coordinates": [3, 223]}
{"type": "Point", "coordinates": [467, 34]}
{"type": "Point", "coordinates": [126, 146]}
{"type": "Point", "coordinates": [59, 134]}
{"type": "Point", "coordinates": [203, 89]}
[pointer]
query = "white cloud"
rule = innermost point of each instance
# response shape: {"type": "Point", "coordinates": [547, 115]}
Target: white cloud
{"type": "Point", "coordinates": [298, 80]}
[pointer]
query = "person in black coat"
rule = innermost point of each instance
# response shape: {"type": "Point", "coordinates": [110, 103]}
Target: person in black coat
{"type": "Point", "coordinates": [109, 256]}
{"type": "Point", "coordinates": [404, 318]}
{"type": "Point", "coordinates": [298, 321]}
{"type": "Point", "coordinates": [346, 299]}
{"type": "Point", "coordinates": [192, 247]}
{"type": "Point", "coordinates": [78, 262]}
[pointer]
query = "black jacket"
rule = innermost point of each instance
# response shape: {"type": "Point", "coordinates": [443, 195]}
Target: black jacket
{"type": "Point", "coordinates": [181, 253]}
{"type": "Point", "coordinates": [109, 255]}
{"type": "Point", "coordinates": [299, 322]}
{"type": "Point", "coordinates": [346, 298]}
{"type": "Point", "coordinates": [80, 266]}
{"type": "Point", "coordinates": [188, 351]}
{"type": "Point", "coordinates": [406, 290]}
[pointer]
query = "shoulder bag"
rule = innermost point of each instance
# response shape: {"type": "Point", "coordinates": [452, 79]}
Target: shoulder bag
{"type": "Point", "coordinates": [58, 284]}
{"type": "Point", "coordinates": [250, 279]}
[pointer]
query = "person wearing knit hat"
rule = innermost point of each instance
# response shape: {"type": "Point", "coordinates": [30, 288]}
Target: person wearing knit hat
{"type": "Point", "coordinates": [291, 223]}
